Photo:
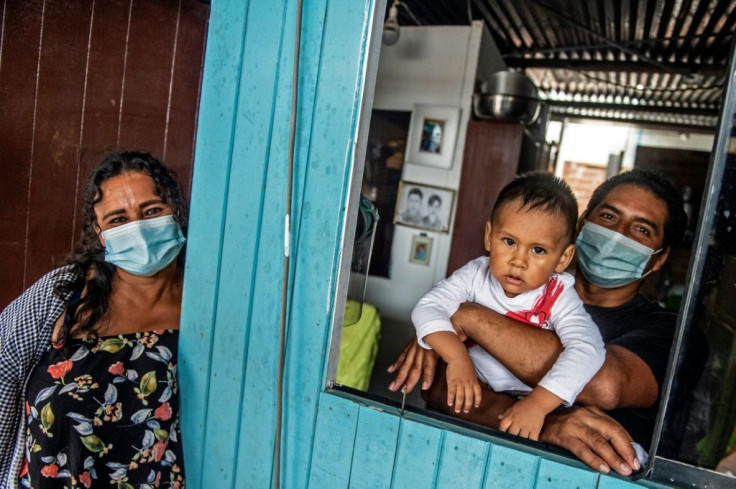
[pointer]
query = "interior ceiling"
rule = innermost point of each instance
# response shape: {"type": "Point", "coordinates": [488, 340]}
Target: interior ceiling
{"type": "Point", "coordinates": [640, 61]}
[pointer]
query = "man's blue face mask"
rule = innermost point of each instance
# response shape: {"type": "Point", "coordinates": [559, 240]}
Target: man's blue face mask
{"type": "Point", "coordinates": [609, 259]}
{"type": "Point", "coordinates": [144, 247]}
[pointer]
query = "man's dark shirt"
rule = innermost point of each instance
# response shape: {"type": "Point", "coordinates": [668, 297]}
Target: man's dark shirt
{"type": "Point", "coordinates": [646, 329]}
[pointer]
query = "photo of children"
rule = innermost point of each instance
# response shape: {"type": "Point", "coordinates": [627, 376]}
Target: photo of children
{"type": "Point", "coordinates": [424, 206]}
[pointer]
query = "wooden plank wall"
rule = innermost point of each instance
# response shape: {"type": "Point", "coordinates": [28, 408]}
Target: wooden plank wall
{"type": "Point", "coordinates": [80, 78]}
{"type": "Point", "coordinates": [230, 318]}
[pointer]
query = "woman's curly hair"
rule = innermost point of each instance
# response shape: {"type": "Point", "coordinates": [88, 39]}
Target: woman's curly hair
{"type": "Point", "coordinates": [87, 261]}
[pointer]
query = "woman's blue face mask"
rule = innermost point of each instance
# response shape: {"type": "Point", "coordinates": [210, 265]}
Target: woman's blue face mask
{"type": "Point", "coordinates": [609, 259]}
{"type": "Point", "coordinates": [144, 247]}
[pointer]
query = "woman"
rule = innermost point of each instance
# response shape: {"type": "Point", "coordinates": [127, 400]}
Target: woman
{"type": "Point", "coordinates": [88, 392]}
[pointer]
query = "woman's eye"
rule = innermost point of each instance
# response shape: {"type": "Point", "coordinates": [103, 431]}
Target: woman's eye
{"type": "Point", "coordinates": [153, 211]}
{"type": "Point", "coordinates": [538, 250]}
{"type": "Point", "coordinates": [606, 216]}
{"type": "Point", "coordinates": [644, 231]}
{"type": "Point", "coordinates": [117, 220]}
{"type": "Point", "coordinates": [508, 241]}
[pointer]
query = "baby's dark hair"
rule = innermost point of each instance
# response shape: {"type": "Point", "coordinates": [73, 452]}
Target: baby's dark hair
{"type": "Point", "coordinates": [674, 226]}
{"type": "Point", "coordinates": [544, 191]}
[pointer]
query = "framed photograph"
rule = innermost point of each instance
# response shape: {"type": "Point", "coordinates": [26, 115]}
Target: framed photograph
{"type": "Point", "coordinates": [421, 249]}
{"type": "Point", "coordinates": [432, 135]}
{"type": "Point", "coordinates": [424, 206]}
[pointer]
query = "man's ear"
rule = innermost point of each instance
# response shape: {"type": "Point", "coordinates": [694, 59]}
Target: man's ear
{"type": "Point", "coordinates": [565, 259]}
{"type": "Point", "coordinates": [661, 259]}
{"type": "Point", "coordinates": [488, 236]}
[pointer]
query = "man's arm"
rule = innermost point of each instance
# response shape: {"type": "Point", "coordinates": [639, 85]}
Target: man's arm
{"type": "Point", "coordinates": [624, 380]}
{"type": "Point", "coordinates": [533, 352]}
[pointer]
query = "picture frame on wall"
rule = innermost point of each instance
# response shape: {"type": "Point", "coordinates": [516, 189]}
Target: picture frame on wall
{"type": "Point", "coordinates": [424, 206]}
{"type": "Point", "coordinates": [432, 135]}
{"type": "Point", "coordinates": [421, 249]}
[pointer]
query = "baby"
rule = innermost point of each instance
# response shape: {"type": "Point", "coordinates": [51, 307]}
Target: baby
{"type": "Point", "coordinates": [530, 243]}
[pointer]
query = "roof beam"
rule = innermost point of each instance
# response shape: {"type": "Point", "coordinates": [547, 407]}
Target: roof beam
{"type": "Point", "coordinates": [600, 65]}
{"type": "Point", "coordinates": [695, 111]}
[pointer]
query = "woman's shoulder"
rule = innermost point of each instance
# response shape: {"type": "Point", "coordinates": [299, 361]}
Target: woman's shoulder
{"type": "Point", "coordinates": [42, 291]}
{"type": "Point", "coordinates": [53, 279]}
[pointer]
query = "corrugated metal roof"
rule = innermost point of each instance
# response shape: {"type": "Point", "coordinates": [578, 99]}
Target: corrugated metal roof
{"type": "Point", "coordinates": [658, 61]}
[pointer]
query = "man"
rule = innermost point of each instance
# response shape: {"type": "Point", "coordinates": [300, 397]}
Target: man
{"type": "Point", "coordinates": [413, 212]}
{"type": "Point", "coordinates": [632, 222]}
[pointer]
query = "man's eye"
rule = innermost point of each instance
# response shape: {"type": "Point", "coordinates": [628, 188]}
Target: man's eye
{"type": "Point", "coordinates": [606, 216]}
{"type": "Point", "coordinates": [644, 231]}
{"type": "Point", "coordinates": [538, 250]}
{"type": "Point", "coordinates": [508, 241]}
{"type": "Point", "coordinates": [153, 211]}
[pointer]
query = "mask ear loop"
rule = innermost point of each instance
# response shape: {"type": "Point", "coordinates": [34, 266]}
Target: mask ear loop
{"type": "Point", "coordinates": [651, 269]}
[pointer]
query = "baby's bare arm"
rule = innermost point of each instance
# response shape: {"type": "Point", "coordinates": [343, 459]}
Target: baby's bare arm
{"type": "Point", "coordinates": [526, 417]}
{"type": "Point", "coordinates": [463, 389]}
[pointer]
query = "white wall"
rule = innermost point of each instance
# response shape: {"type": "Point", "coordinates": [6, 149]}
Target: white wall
{"type": "Point", "coordinates": [436, 65]}
{"type": "Point", "coordinates": [593, 142]}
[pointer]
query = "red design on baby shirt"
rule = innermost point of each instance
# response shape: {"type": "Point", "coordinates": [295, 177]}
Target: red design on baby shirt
{"type": "Point", "coordinates": [540, 311]}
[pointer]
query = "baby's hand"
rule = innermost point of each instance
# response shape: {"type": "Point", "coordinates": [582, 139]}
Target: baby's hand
{"type": "Point", "coordinates": [524, 419]}
{"type": "Point", "coordinates": [463, 389]}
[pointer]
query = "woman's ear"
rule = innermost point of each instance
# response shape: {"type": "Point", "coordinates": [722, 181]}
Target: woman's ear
{"type": "Point", "coordinates": [565, 258]}
{"type": "Point", "coordinates": [98, 230]}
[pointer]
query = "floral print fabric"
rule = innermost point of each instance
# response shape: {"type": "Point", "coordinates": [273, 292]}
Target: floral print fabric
{"type": "Point", "coordinates": [107, 416]}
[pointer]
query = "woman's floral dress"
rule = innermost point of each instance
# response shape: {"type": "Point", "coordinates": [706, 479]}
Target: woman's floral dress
{"type": "Point", "coordinates": [108, 416]}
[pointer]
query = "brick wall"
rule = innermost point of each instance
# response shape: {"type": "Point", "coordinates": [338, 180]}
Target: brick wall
{"type": "Point", "coordinates": [583, 178]}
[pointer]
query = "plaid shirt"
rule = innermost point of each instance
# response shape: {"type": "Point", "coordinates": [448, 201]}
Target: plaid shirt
{"type": "Point", "coordinates": [26, 326]}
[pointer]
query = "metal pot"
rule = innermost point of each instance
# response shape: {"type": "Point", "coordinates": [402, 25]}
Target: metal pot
{"type": "Point", "coordinates": [507, 95]}
{"type": "Point", "coordinates": [506, 107]}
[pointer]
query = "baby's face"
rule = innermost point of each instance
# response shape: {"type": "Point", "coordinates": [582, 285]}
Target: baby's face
{"type": "Point", "coordinates": [526, 246]}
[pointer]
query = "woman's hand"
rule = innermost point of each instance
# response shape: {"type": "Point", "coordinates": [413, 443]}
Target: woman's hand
{"type": "Point", "coordinates": [413, 362]}
{"type": "Point", "coordinates": [594, 437]}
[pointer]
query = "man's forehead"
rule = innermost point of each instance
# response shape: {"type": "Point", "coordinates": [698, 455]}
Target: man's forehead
{"type": "Point", "coordinates": [637, 202]}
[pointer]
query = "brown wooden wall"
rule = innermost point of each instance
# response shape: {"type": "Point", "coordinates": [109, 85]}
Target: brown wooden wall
{"type": "Point", "coordinates": [491, 160]}
{"type": "Point", "coordinates": [80, 78]}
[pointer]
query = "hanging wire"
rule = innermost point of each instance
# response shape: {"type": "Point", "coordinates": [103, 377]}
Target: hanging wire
{"type": "Point", "coordinates": [287, 243]}
{"type": "Point", "coordinates": [408, 11]}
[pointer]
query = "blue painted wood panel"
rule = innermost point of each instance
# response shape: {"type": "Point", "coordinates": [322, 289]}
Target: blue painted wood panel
{"type": "Point", "coordinates": [417, 456]}
{"type": "Point", "coordinates": [610, 482]}
{"type": "Point", "coordinates": [463, 461]}
{"type": "Point", "coordinates": [334, 438]}
{"type": "Point", "coordinates": [218, 102]}
{"type": "Point", "coordinates": [375, 449]}
{"type": "Point", "coordinates": [511, 469]}
{"type": "Point", "coordinates": [553, 475]}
